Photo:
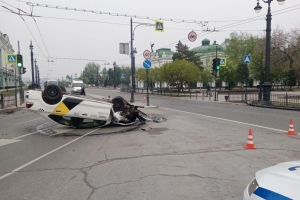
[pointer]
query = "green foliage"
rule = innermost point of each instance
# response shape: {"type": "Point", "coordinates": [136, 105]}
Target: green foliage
{"type": "Point", "coordinates": [228, 74]}
{"type": "Point", "coordinates": [183, 53]}
{"type": "Point", "coordinates": [179, 73]}
{"type": "Point", "coordinates": [90, 73]}
{"type": "Point", "coordinates": [206, 76]}
{"type": "Point", "coordinates": [242, 73]}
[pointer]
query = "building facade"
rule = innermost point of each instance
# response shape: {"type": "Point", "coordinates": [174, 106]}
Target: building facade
{"type": "Point", "coordinates": [206, 51]}
{"type": "Point", "coordinates": [158, 59]}
{"type": "Point", "coordinates": [8, 78]}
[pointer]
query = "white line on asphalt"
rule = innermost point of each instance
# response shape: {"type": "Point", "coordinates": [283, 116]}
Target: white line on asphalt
{"type": "Point", "coordinates": [228, 120]}
{"type": "Point", "coordinates": [25, 135]}
{"type": "Point", "coordinates": [28, 121]}
{"type": "Point", "coordinates": [7, 141]}
{"type": "Point", "coordinates": [37, 159]}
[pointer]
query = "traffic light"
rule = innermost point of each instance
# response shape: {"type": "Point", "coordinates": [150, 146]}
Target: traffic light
{"type": "Point", "coordinates": [24, 70]}
{"type": "Point", "coordinates": [214, 63]}
{"type": "Point", "coordinates": [218, 64]}
{"type": "Point", "coordinates": [19, 61]}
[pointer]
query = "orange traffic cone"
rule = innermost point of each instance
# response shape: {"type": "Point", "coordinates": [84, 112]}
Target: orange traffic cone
{"type": "Point", "coordinates": [249, 144]}
{"type": "Point", "coordinates": [291, 129]}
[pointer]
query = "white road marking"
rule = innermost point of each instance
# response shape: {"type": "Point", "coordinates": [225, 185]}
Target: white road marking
{"type": "Point", "coordinates": [28, 121]}
{"type": "Point", "coordinates": [50, 152]}
{"type": "Point", "coordinates": [228, 120]}
{"type": "Point", "coordinates": [25, 135]}
{"type": "Point", "coordinates": [7, 141]}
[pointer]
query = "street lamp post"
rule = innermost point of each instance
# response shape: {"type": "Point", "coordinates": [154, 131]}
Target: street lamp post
{"type": "Point", "coordinates": [132, 56]}
{"type": "Point", "coordinates": [114, 74]}
{"type": "Point", "coordinates": [267, 84]}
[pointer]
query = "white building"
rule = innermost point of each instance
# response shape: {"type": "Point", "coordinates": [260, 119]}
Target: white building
{"type": "Point", "coordinates": [161, 57]}
{"type": "Point", "coordinates": [7, 72]}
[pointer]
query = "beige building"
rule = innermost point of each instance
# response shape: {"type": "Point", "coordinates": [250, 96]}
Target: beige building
{"type": "Point", "coordinates": [7, 72]}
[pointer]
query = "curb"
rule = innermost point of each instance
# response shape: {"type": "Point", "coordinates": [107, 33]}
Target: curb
{"type": "Point", "coordinates": [10, 110]}
{"type": "Point", "coordinates": [273, 107]}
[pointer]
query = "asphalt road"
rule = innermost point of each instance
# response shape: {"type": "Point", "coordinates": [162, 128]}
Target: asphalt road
{"type": "Point", "coordinates": [197, 153]}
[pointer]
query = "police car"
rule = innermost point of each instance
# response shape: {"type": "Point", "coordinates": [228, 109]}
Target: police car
{"type": "Point", "coordinates": [79, 112]}
{"type": "Point", "coordinates": [279, 182]}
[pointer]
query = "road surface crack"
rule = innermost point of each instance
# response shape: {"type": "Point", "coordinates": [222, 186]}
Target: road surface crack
{"type": "Point", "coordinates": [166, 175]}
{"type": "Point", "coordinates": [85, 180]}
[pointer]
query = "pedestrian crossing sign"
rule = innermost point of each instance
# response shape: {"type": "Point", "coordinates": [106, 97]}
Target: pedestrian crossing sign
{"type": "Point", "coordinates": [11, 58]}
{"type": "Point", "coordinates": [159, 26]}
{"type": "Point", "coordinates": [222, 62]}
{"type": "Point", "coordinates": [247, 59]}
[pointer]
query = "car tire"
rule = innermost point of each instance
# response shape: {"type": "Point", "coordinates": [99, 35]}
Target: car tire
{"type": "Point", "coordinates": [118, 103]}
{"type": "Point", "coordinates": [52, 94]}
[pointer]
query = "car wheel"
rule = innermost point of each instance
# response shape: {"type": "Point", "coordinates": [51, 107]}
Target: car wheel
{"type": "Point", "coordinates": [118, 104]}
{"type": "Point", "coordinates": [52, 94]}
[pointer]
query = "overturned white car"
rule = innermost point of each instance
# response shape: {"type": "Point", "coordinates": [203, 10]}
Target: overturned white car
{"type": "Point", "coordinates": [81, 112]}
{"type": "Point", "coordinates": [281, 182]}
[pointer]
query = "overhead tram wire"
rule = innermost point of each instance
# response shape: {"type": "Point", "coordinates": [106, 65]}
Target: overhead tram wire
{"type": "Point", "coordinates": [278, 12]}
{"type": "Point", "coordinates": [223, 27]}
{"type": "Point", "coordinates": [25, 24]}
{"type": "Point", "coordinates": [241, 22]}
{"type": "Point", "coordinates": [122, 15]}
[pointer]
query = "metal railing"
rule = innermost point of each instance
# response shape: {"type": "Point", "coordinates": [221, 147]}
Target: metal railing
{"type": "Point", "coordinates": [278, 100]}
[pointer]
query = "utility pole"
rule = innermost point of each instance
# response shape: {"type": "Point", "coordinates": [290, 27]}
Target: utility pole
{"type": "Point", "coordinates": [20, 74]}
{"type": "Point", "coordinates": [97, 76]}
{"type": "Point", "coordinates": [216, 74]}
{"type": "Point", "coordinates": [114, 74]}
{"type": "Point", "coordinates": [132, 64]}
{"type": "Point", "coordinates": [36, 71]}
{"type": "Point", "coordinates": [39, 76]}
{"type": "Point", "coordinates": [32, 69]}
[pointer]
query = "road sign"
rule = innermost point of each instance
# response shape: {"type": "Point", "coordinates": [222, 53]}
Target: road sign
{"type": "Point", "coordinates": [247, 59]}
{"type": "Point", "coordinates": [11, 58]}
{"type": "Point", "coordinates": [192, 36]}
{"type": "Point", "coordinates": [222, 61]}
{"type": "Point", "coordinates": [147, 64]}
{"type": "Point", "coordinates": [122, 75]}
{"type": "Point", "coordinates": [147, 54]}
{"type": "Point", "coordinates": [124, 48]}
{"type": "Point", "coordinates": [159, 26]}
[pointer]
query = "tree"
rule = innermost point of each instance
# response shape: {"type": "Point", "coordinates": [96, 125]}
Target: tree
{"type": "Point", "coordinates": [228, 74]}
{"type": "Point", "coordinates": [206, 76]}
{"type": "Point", "coordinates": [183, 53]}
{"type": "Point", "coordinates": [90, 72]}
{"type": "Point", "coordinates": [286, 48]}
{"type": "Point", "coordinates": [179, 73]}
{"type": "Point", "coordinates": [242, 73]}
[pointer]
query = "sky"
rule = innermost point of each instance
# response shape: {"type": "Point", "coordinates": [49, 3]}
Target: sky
{"type": "Point", "coordinates": [96, 37]}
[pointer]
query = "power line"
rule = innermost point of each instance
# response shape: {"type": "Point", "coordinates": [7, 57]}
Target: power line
{"type": "Point", "coordinates": [231, 25]}
{"type": "Point", "coordinates": [242, 22]}
{"type": "Point", "coordinates": [26, 25]}
{"type": "Point", "coordinates": [60, 58]}
{"type": "Point", "coordinates": [41, 36]}
{"type": "Point", "coordinates": [124, 15]}
{"type": "Point", "coordinates": [34, 38]}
